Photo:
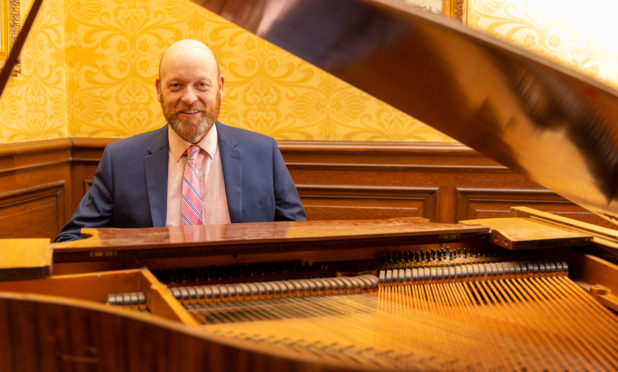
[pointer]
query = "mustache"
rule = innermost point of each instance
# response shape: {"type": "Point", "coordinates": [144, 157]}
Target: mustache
{"type": "Point", "coordinates": [191, 108]}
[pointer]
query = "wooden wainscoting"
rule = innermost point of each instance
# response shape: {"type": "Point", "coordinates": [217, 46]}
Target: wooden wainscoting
{"type": "Point", "coordinates": [34, 183]}
{"type": "Point", "coordinates": [443, 182]}
{"type": "Point", "coordinates": [42, 182]}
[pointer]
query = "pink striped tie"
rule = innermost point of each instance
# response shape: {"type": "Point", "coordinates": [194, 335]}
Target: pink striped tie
{"type": "Point", "coordinates": [191, 194]}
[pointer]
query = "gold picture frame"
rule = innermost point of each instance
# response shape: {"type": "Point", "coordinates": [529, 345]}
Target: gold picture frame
{"type": "Point", "coordinates": [10, 23]}
{"type": "Point", "coordinates": [456, 9]}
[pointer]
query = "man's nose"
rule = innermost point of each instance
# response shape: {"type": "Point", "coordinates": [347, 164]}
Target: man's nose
{"type": "Point", "coordinates": [189, 96]}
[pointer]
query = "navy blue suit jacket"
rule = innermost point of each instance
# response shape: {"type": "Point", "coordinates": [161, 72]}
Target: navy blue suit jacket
{"type": "Point", "coordinates": [129, 187]}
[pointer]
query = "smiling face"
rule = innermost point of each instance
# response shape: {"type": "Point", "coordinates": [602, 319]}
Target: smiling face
{"type": "Point", "coordinates": [190, 89]}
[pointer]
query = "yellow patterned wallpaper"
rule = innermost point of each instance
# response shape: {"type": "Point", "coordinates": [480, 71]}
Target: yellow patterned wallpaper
{"type": "Point", "coordinates": [578, 34]}
{"type": "Point", "coordinates": [33, 104]}
{"type": "Point", "coordinates": [113, 50]}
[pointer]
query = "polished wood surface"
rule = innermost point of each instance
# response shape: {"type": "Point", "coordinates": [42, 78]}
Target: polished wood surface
{"type": "Point", "coordinates": [213, 245]}
{"type": "Point", "coordinates": [554, 124]}
{"type": "Point", "coordinates": [34, 188]}
{"type": "Point", "coordinates": [25, 258]}
{"type": "Point", "coordinates": [94, 329]}
{"type": "Point", "coordinates": [525, 233]}
{"type": "Point", "coordinates": [96, 288]}
{"type": "Point", "coordinates": [58, 334]}
{"type": "Point", "coordinates": [263, 232]}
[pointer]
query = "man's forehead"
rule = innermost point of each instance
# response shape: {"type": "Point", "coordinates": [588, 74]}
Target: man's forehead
{"type": "Point", "coordinates": [189, 53]}
{"type": "Point", "coordinates": [193, 69]}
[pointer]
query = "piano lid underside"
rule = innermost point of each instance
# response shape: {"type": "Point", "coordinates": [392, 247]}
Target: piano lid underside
{"type": "Point", "coordinates": [552, 124]}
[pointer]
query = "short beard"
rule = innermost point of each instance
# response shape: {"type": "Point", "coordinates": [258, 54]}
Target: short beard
{"type": "Point", "coordinates": [193, 133]}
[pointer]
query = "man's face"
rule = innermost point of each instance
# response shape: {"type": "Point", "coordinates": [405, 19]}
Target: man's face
{"type": "Point", "coordinates": [190, 93]}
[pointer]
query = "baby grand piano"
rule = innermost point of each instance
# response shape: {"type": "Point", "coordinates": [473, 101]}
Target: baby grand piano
{"type": "Point", "coordinates": [534, 291]}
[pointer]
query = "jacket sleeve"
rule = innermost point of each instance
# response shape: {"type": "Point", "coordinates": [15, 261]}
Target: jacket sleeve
{"type": "Point", "coordinates": [96, 207]}
{"type": "Point", "coordinates": [288, 206]}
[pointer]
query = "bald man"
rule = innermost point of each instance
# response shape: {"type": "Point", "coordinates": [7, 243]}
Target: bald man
{"type": "Point", "coordinates": [194, 170]}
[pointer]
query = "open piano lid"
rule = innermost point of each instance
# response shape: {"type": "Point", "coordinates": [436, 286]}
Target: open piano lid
{"type": "Point", "coordinates": [552, 124]}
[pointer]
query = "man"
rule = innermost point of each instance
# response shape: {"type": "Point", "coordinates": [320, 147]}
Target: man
{"type": "Point", "coordinates": [193, 170]}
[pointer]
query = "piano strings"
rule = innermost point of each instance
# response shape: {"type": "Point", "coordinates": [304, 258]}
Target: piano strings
{"type": "Point", "coordinates": [481, 316]}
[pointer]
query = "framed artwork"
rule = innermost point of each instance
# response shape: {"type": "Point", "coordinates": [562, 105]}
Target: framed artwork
{"type": "Point", "coordinates": [456, 9]}
{"type": "Point", "coordinates": [9, 28]}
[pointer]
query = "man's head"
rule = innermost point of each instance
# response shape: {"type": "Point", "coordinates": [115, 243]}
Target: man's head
{"type": "Point", "coordinates": [189, 88]}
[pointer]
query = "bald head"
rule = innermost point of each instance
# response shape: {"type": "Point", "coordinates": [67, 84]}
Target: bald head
{"type": "Point", "coordinates": [188, 49]}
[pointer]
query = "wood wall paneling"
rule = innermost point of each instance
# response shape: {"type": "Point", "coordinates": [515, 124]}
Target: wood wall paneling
{"type": "Point", "coordinates": [336, 202]}
{"type": "Point", "coordinates": [33, 212]}
{"type": "Point", "coordinates": [357, 180]}
{"type": "Point", "coordinates": [42, 182]}
{"type": "Point", "coordinates": [474, 203]}
{"type": "Point", "coordinates": [34, 178]}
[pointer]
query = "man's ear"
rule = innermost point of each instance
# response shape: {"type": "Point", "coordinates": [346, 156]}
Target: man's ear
{"type": "Point", "coordinates": [221, 85]}
{"type": "Point", "coordinates": [158, 85]}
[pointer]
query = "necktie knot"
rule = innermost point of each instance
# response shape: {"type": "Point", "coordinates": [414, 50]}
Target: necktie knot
{"type": "Point", "coordinates": [192, 152]}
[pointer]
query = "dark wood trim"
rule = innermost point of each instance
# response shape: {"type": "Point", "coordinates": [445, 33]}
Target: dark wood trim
{"type": "Point", "coordinates": [33, 212]}
{"type": "Point", "coordinates": [17, 157]}
{"type": "Point", "coordinates": [365, 202]}
{"type": "Point", "coordinates": [444, 182]}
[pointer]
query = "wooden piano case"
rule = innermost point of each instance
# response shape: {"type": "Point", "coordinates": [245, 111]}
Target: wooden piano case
{"type": "Point", "coordinates": [66, 321]}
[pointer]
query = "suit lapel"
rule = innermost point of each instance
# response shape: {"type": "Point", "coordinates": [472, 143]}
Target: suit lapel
{"type": "Point", "coordinates": [155, 170]}
{"type": "Point", "coordinates": [232, 172]}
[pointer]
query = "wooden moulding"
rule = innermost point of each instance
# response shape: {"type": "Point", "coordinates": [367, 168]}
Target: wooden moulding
{"type": "Point", "coordinates": [262, 241]}
{"type": "Point", "coordinates": [25, 258]}
{"type": "Point", "coordinates": [518, 233]}
{"type": "Point", "coordinates": [96, 287]}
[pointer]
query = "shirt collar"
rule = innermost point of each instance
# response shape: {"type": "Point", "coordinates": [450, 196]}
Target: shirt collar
{"type": "Point", "coordinates": [178, 146]}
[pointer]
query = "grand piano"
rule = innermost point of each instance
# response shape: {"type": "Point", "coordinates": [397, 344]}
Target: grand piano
{"type": "Point", "coordinates": [530, 292]}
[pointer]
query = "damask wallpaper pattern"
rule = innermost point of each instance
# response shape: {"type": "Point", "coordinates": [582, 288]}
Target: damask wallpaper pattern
{"type": "Point", "coordinates": [113, 54]}
{"type": "Point", "coordinates": [578, 34]}
{"type": "Point", "coordinates": [33, 104]}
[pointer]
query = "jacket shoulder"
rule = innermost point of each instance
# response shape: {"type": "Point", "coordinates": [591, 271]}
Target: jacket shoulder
{"type": "Point", "coordinates": [151, 140]}
{"type": "Point", "coordinates": [243, 137]}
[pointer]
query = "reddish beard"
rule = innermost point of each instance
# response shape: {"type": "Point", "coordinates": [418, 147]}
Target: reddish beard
{"type": "Point", "coordinates": [192, 130]}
